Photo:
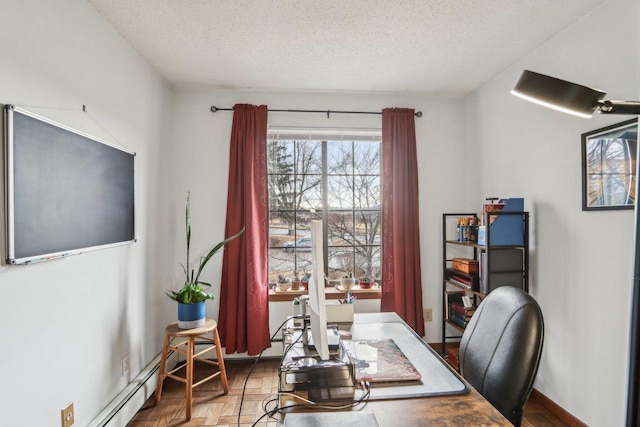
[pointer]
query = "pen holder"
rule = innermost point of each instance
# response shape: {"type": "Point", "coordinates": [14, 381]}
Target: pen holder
{"type": "Point", "coordinates": [339, 313]}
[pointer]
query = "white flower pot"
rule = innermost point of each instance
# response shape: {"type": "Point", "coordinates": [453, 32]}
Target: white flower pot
{"type": "Point", "coordinates": [347, 283]}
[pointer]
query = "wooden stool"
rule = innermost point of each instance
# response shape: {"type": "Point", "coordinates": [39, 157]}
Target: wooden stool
{"type": "Point", "coordinates": [200, 333]}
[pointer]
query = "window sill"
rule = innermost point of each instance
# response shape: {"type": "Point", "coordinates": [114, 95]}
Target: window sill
{"type": "Point", "coordinates": [329, 292]}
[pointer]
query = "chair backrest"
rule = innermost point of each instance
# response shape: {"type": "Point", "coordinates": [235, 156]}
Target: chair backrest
{"type": "Point", "coordinates": [501, 347]}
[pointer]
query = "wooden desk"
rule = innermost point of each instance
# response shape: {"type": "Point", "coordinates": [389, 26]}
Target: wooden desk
{"type": "Point", "coordinates": [468, 409]}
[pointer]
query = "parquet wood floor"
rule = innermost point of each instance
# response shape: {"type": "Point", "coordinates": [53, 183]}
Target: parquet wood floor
{"type": "Point", "coordinates": [212, 408]}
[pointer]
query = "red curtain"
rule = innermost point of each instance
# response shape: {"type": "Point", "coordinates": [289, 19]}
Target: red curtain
{"type": "Point", "coordinates": [243, 321]}
{"type": "Point", "coordinates": [401, 276]}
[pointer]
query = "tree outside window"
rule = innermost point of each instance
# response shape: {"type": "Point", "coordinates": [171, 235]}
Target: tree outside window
{"type": "Point", "coordinates": [336, 181]}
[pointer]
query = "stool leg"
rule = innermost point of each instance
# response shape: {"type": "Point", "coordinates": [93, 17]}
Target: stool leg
{"type": "Point", "coordinates": [161, 373]}
{"type": "Point", "coordinates": [223, 371]}
{"type": "Point", "coordinates": [190, 351]}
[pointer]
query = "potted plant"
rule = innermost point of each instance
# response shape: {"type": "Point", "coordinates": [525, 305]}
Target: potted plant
{"type": "Point", "coordinates": [295, 283]}
{"type": "Point", "coordinates": [305, 280]}
{"type": "Point", "coordinates": [348, 281]}
{"type": "Point", "coordinates": [283, 283]}
{"type": "Point", "coordinates": [365, 283]}
{"type": "Point", "coordinates": [192, 297]}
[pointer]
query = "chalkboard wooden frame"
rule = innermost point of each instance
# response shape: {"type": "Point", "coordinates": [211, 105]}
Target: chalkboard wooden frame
{"type": "Point", "coordinates": [66, 192]}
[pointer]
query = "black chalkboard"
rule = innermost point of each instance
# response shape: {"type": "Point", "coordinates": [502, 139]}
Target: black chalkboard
{"type": "Point", "coordinates": [66, 192]}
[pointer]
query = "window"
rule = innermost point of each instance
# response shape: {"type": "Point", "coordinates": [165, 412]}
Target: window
{"type": "Point", "coordinates": [329, 176]}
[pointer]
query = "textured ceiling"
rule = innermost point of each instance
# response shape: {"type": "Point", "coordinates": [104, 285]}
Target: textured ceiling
{"type": "Point", "coordinates": [432, 46]}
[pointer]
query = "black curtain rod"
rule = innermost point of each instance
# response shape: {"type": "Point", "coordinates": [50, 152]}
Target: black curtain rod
{"type": "Point", "coordinates": [328, 112]}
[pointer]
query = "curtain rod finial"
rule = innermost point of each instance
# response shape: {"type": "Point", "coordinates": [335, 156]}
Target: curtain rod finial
{"type": "Point", "coordinates": [418, 114]}
{"type": "Point", "coordinates": [214, 108]}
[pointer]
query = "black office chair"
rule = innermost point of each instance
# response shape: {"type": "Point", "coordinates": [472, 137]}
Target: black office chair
{"type": "Point", "coordinates": [501, 347]}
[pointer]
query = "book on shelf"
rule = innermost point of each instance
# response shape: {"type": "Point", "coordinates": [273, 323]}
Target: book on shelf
{"type": "Point", "coordinates": [453, 297]}
{"type": "Point", "coordinates": [461, 316]}
{"type": "Point", "coordinates": [463, 280]}
{"type": "Point", "coordinates": [467, 303]}
{"type": "Point", "coordinates": [459, 308]}
{"type": "Point", "coordinates": [458, 321]}
{"type": "Point", "coordinates": [459, 282]}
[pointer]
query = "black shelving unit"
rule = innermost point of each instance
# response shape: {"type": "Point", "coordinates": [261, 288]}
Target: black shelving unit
{"type": "Point", "coordinates": [499, 265]}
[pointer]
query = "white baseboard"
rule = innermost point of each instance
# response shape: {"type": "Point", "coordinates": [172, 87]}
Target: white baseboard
{"type": "Point", "coordinates": [128, 402]}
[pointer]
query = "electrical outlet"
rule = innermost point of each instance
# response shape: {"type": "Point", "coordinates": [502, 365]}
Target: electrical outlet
{"type": "Point", "coordinates": [125, 365]}
{"type": "Point", "coordinates": [66, 415]}
{"type": "Point", "coordinates": [427, 314]}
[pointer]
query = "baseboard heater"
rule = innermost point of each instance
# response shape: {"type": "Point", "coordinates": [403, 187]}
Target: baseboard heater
{"type": "Point", "coordinates": [128, 402]}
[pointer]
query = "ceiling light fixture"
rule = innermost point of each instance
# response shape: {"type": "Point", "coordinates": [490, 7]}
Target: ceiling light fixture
{"type": "Point", "coordinates": [583, 101]}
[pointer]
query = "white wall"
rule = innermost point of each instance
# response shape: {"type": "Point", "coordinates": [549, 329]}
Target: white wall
{"type": "Point", "coordinates": [198, 154]}
{"type": "Point", "coordinates": [79, 316]}
{"type": "Point", "coordinates": [581, 261]}
{"type": "Point", "coordinates": [66, 324]}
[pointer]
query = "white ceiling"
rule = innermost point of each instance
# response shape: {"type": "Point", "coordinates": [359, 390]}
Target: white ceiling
{"type": "Point", "coordinates": [446, 47]}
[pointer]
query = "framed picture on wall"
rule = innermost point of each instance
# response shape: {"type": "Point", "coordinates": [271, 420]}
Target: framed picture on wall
{"type": "Point", "coordinates": [609, 167]}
